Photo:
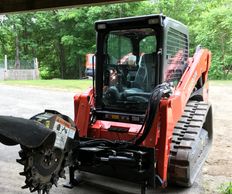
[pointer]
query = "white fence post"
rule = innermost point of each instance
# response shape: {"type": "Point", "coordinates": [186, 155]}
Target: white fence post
{"type": "Point", "coordinates": [5, 71]}
{"type": "Point", "coordinates": [36, 66]}
{"type": "Point", "coordinates": [5, 62]}
{"type": "Point", "coordinates": [36, 69]}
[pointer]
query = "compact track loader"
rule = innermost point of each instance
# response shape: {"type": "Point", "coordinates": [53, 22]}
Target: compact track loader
{"type": "Point", "coordinates": [147, 118]}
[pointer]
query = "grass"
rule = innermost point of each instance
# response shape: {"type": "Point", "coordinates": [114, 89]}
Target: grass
{"type": "Point", "coordinates": [74, 85]}
{"type": "Point", "coordinates": [226, 188]}
{"type": "Point", "coordinates": [220, 82]}
{"type": "Point", "coordinates": [70, 85]}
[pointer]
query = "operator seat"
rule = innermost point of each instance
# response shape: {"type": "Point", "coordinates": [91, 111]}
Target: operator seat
{"type": "Point", "coordinates": [145, 76]}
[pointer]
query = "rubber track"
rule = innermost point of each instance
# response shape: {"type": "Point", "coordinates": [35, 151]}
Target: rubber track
{"type": "Point", "coordinates": [190, 145]}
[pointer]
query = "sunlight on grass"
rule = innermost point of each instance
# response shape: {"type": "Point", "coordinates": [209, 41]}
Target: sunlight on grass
{"type": "Point", "coordinates": [220, 82]}
{"type": "Point", "coordinates": [76, 85]}
{"type": "Point", "coordinates": [71, 85]}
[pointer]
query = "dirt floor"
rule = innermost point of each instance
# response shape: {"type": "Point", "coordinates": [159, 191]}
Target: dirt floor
{"type": "Point", "coordinates": [25, 102]}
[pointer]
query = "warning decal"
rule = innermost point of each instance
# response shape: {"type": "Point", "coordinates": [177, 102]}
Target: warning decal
{"type": "Point", "coordinates": [63, 130]}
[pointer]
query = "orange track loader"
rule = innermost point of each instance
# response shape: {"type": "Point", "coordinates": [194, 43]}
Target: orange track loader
{"type": "Point", "coordinates": [146, 120]}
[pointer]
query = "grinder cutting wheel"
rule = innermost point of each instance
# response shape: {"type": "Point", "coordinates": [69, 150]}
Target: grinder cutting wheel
{"type": "Point", "coordinates": [45, 157]}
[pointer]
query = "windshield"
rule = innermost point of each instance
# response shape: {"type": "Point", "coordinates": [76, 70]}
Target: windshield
{"type": "Point", "coordinates": [129, 71]}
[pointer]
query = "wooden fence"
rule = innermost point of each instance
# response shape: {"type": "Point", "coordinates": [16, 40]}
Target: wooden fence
{"type": "Point", "coordinates": [26, 71]}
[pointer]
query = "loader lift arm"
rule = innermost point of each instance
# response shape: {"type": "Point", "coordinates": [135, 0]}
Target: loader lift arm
{"type": "Point", "coordinates": [173, 107]}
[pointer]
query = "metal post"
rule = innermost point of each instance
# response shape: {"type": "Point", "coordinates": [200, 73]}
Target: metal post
{"type": "Point", "coordinates": [73, 181]}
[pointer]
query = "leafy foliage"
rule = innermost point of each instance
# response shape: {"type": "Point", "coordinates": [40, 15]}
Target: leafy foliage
{"type": "Point", "coordinates": [60, 39]}
{"type": "Point", "coordinates": [215, 32]}
{"type": "Point", "coordinates": [226, 188]}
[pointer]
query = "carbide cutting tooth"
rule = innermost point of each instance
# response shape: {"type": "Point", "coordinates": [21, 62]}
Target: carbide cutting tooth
{"type": "Point", "coordinates": [33, 190]}
{"type": "Point", "coordinates": [34, 183]}
{"type": "Point", "coordinates": [55, 180]}
{"type": "Point", "coordinates": [41, 187]}
{"type": "Point", "coordinates": [22, 173]}
{"type": "Point", "coordinates": [25, 187]}
{"type": "Point", "coordinates": [21, 161]}
{"type": "Point", "coordinates": [22, 154]}
{"type": "Point", "coordinates": [61, 173]}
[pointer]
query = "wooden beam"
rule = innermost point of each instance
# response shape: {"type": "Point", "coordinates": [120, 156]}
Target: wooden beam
{"type": "Point", "coordinates": [7, 6]}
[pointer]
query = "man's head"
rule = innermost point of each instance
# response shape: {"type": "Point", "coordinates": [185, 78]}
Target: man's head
{"type": "Point", "coordinates": [132, 60]}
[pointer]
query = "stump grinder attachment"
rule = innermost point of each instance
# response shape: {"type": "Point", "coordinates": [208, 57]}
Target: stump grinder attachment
{"type": "Point", "coordinates": [45, 142]}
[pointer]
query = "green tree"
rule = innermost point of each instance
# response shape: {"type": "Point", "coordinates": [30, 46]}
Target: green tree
{"type": "Point", "coordinates": [60, 39]}
{"type": "Point", "coordinates": [214, 31]}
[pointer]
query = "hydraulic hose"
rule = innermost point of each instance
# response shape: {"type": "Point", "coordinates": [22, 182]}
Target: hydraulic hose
{"type": "Point", "coordinates": [160, 91]}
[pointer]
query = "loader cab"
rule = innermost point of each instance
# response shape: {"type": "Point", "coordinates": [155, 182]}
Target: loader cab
{"type": "Point", "coordinates": [131, 60]}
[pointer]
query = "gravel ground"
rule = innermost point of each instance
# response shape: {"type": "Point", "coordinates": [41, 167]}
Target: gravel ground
{"type": "Point", "coordinates": [25, 102]}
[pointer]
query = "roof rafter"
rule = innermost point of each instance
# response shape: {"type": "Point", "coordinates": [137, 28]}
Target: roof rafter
{"type": "Point", "coordinates": [7, 6]}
